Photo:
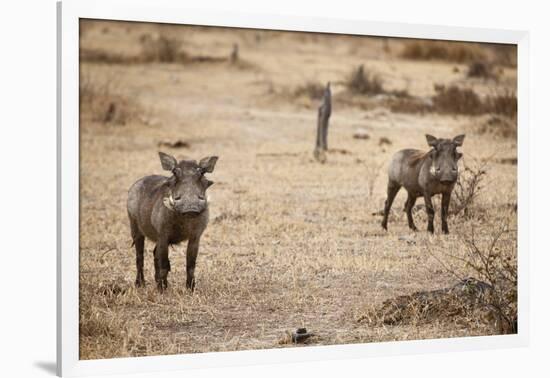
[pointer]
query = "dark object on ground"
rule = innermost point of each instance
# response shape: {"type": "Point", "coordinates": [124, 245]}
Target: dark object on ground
{"type": "Point", "coordinates": [384, 141]}
{"type": "Point", "coordinates": [234, 57]}
{"type": "Point", "coordinates": [341, 151]}
{"type": "Point", "coordinates": [110, 113]}
{"type": "Point", "coordinates": [511, 161]}
{"type": "Point", "coordinates": [175, 144]}
{"type": "Point", "coordinates": [480, 69]}
{"type": "Point", "coordinates": [300, 335]}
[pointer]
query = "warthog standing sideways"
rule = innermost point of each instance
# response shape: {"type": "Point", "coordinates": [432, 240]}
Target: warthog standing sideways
{"type": "Point", "coordinates": [425, 174]}
{"type": "Point", "coordinates": [169, 210]}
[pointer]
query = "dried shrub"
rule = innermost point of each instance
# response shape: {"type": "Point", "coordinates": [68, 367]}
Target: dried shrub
{"type": "Point", "coordinates": [459, 52]}
{"type": "Point", "coordinates": [457, 100]}
{"type": "Point", "coordinates": [157, 49]}
{"type": "Point", "coordinates": [161, 49]}
{"type": "Point", "coordinates": [464, 101]}
{"type": "Point", "coordinates": [363, 82]}
{"type": "Point", "coordinates": [488, 296]}
{"type": "Point", "coordinates": [480, 69]}
{"type": "Point", "coordinates": [410, 105]}
{"type": "Point", "coordinates": [494, 260]}
{"type": "Point", "coordinates": [505, 55]}
{"type": "Point", "coordinates": [311, 89]}
{"type": "Point", "coordinates": [504, 103]}
{"type": "Point", "coordinates": [102, 56]}
{"type": "Point", "coordinates": [99, 100]}
{"type": "Point", "coordinates": [467, 189]}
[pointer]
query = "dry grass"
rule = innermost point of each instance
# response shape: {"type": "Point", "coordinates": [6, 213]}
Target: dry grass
{"type": "Point", "coordinates": [291, 243]}
{"type": "Point", "coordinates": [498, 126]}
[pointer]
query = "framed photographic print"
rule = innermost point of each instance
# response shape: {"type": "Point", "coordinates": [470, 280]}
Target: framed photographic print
{"type": "Point", "coordinates": [241, 189]}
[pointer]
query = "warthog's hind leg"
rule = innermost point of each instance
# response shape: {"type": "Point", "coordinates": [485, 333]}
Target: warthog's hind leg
{"type": "Point", "coordinates": [139, 244]}
{"type": "Point", "coordinates": [393, 188]}
{"type": "Point", "coordinates": [411, 200]}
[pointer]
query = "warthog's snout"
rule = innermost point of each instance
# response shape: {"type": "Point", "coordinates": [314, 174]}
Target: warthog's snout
{"type": "Point", "coordinates": [194, 208]}
{"type": "Point", "coordinates": [186, 205]}
{"type": "Point", "coordinates": [449, 176]}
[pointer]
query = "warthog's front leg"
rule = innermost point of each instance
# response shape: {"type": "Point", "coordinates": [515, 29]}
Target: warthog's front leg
{"type": "Point", "coordinates": [162, 265]}
{"type": "Point", "coordinates": [139, 242]}
{"type": "Point", "coordinates": [430, 210]}
{"type": "Point", "coordinates": [192, 252]}
{"type": "Point", "coordinates": [445, 201]}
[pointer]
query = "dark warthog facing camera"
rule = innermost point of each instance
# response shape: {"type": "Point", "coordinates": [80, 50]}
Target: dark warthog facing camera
{"type": "Point", "coordinates": [425, 174]}
{"type": "Point", "coordinates": [169, 210]}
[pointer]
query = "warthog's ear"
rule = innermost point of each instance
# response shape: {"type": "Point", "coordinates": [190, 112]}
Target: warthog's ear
{"type": "Point", "coordinates": [208, 163]}
{"type": "Point", "coordinates": [432, 141]}
{"type": "Point", "coordinates": [168, 162]}
{"type": "Point", "coordinates": [458, 140]}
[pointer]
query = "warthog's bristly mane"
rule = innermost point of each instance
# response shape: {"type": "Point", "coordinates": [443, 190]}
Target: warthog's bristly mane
{"type": "Point", "coordinates": [418, 157]}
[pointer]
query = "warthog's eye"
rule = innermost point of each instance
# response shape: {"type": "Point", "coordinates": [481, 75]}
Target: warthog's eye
{"type": "Point", "coordinates": [438, 169]}
{"type": "Point", "coordinates": [201, 197]}
{"type": "Point", "coordinates": [177, 198]}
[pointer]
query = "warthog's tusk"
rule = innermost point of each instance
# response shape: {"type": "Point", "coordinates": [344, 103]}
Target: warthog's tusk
{"type": "Point", "coordinates": [169, 202]}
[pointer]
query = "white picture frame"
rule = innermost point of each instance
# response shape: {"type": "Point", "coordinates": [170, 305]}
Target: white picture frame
{"type": "Point", "coordinates": [166, 11]}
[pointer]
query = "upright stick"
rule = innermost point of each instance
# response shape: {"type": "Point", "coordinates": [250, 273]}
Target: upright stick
{"type": "Point", "coordinates": [323, 116]}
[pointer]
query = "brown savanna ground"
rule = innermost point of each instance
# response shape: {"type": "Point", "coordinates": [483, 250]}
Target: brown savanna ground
{"type": "Point", "coordinates": [291, 242]}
